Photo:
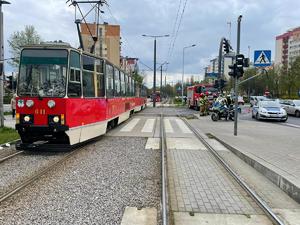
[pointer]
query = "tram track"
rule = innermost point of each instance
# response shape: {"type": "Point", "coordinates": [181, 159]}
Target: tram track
{"type": "Point", "coordinates": [7, 146]}
{"type": "Point", "coordinates": [164, 189]}
{"type": "Point", "coordinates": [35, 176]}
{"type": "Point", "coordinates": [10, 156]}
{"type": "Point", "coordinates": [260, 202]}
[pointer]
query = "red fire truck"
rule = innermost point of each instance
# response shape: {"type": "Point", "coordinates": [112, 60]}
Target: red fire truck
{"type": "Point", "coordinates": [193, 94]}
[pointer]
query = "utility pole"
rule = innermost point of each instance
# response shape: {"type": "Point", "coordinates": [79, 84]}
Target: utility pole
{"type": "Point", "coordinates": [229, 23]}
{"type": "Point", "coordinates": [154, 75]}
{"type": "Point", "coordinates": [154, 66]}
{"type": "Point", "coordinates": [161, 70]}
{"type": "Point", "coordinates": [220, 75]}
{"type": "Point", "coordinates": [1, 64]}
{"type": "Point", "coordinates": [236, 77]}
{"type": "Point", "coordinates": [182, 80]}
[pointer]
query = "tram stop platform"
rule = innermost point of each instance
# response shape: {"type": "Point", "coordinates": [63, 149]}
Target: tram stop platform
{"type": "Point", "coordinates": [270, 148]}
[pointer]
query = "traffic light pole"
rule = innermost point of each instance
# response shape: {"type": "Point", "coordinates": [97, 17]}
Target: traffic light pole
{"type": "Point", "coordinates": [220, 75]}
{"type": "Point", "coordinates": [236, 77]}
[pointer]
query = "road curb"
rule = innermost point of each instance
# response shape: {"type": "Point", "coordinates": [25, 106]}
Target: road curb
{"type": "Point", "coordinates": [283, 183]}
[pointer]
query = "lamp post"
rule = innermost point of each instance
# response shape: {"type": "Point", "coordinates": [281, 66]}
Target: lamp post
{"type": "Point", "coordinates": [1, 64]}
{"type": "Point", "coordinates": [154, 67]}
{"type": "Point", "coordinates": [190, 46]}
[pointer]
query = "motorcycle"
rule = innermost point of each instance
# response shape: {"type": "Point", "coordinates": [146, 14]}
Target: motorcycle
{"type": "Point", "coordinates": [220, 110]}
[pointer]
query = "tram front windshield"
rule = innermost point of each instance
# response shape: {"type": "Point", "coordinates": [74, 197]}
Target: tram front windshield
{"type": "Point", "coordinates": [43, 73]}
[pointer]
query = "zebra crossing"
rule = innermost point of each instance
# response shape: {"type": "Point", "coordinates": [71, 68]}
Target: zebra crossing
{"type": "Point", "coordinates": [147, 127]}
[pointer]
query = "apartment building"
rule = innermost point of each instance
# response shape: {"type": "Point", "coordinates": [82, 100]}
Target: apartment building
{"type": "Point", "coordinates": [287, 47]}
{"type": "Point", "coordinates": [108, 43]}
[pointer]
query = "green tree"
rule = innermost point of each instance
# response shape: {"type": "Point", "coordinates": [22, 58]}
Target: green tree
{"type": "Point", "coordinates": [291, 80]}
{"type": "Point", "coordinates": [19, 39]}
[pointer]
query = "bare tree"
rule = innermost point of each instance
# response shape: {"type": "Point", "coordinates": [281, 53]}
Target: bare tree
{"type": "Point", "coordinates": [19, 39]}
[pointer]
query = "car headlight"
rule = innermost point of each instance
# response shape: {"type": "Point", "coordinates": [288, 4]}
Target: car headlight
{"type": "Point", "coordinates": [51, 103]}
{"type": "Point", "coordinates": [263, 111]}
{"type": "Point", "coordinates": [29, 103]}
{"type": "Point", "coordinates": [282, 111]}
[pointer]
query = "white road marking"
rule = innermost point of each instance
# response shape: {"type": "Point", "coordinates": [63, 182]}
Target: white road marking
{"type": "Point", "coordinates": [129, 127]}
{"type": "Point", "coordinates": [145, 216]}
{"type": "Point", "coordinates": [216, 145]}
{"type": "Point", "coordinates": [185, 143]}
{"type": "Point", "coordinates": [183, 127]}
{"type": "Point", "coordinates": [153, 143]}
{"type": "Point", "coordinates": [168, 127]}
{"type": "Point", "coordinates": [149, 125]}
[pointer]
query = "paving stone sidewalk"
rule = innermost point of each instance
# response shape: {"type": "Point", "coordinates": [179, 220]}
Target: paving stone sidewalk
{"type": "Point", "coordinates": [273, 149]}
{"type": "Point", "coordinates": [198, 183]}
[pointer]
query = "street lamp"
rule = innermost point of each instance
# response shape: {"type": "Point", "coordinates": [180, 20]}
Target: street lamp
{"type": "Point", "coordinates": [1, 64]}
{"type": "Point", "coordinates": [154, 67]}
{"type": "Point", "coordinates": [190, 46]}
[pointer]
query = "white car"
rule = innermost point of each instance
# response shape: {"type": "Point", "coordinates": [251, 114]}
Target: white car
{"type": "Point", "coordinates": [292, 107]}
{"type": "Point", "coordinates": [269, 110]}
{"type": "Point", "coordinates": [255, 99]}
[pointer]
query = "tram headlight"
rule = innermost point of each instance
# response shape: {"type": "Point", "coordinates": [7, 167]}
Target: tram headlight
{"type": "Point", "coordinates": [27, 119]}
{"type": "Point", "coordinates": [55, 119]}
{"type": "Point", "coordinates": [29, 103]}
{"type": "Point", "coordinates": [51, 104]}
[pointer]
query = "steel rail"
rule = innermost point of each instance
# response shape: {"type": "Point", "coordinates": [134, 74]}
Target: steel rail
{"type": "Point", "coordinates": [10, 156]}
{"type": "Point", "coordinates": [37, 175]}
{"type": "Point", "coordinates": [263, 205]}
{"type": "Point", "coordinates": [164, 194]}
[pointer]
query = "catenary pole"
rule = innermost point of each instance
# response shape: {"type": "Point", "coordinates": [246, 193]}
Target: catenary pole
{"type": "Point", "coordinates": [154, 67]}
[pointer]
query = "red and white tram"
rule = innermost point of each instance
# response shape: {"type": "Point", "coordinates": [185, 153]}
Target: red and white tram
{"type": "Point", "coordinates": [66, 96]}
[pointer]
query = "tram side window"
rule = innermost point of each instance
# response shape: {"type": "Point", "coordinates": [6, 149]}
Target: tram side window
{"type": "Point", "coordinates": [88, 84]}
{"type": "Point", "coordinates": [100, 78]}
{"type": "Point", "coordinates": [123, 87]}
{"type": "Point", "coordinates": [132, 88]}
{"type": "Point", "coordinates": [74, 87]}
{"type": "Point", "coordinates": [88, 80]}
{"type": "Point", "coordinates": [109, 80]}
{"type": "Point", "coordinates": [129, 86]}
{"type": "Point", "coordinates": [117, 82]}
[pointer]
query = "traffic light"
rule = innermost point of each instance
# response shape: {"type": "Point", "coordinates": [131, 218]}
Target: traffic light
{"type": "Point", "coordinates": [10, 83]}
{"type": "Point", "coordinates": [232, 68]}
{"type": "Point", "coordinates": [222, 83]}
{"type": "Point", "coordinates": [216, 85]}
{"type": "Point", "coordinates": [226, 46]}
{"type": "Point", "coordinates": [239, 60]}
{"type": "Point", "coordinates": [1, 68]}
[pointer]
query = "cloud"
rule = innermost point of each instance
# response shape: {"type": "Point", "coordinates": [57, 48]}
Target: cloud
{"type": "Point", "coordinates": [203, 23]}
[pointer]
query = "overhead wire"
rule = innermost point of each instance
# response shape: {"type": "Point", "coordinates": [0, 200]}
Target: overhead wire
{"type": "Point", "coordinates": [174, 26]}
{"type": "Point", "coordinates": [178, 27]}
{"type": "Point", "coordinates": [126, 40]}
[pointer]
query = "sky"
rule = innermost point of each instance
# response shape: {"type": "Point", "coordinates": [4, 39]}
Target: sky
{"type": "Point", "coordinates": [188, 22]}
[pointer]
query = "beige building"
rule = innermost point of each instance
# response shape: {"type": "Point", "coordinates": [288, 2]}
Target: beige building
{"type": "Point", "coordinates": [108, 43]}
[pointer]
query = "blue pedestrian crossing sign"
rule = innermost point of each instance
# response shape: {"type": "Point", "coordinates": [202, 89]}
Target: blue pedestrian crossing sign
{"type": "Point", "coordinates": [262, 58]}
